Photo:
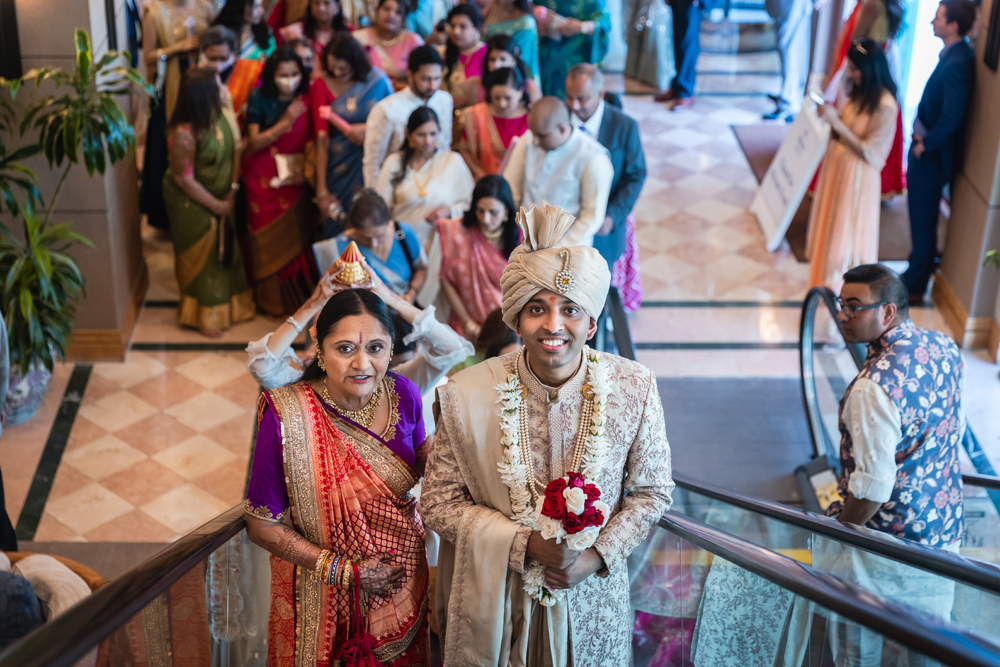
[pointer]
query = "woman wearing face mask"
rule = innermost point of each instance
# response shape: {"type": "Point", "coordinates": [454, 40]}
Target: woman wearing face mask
{"type": "Point", "coordinates": [464, 55]}
{"type": "Point", "coordinates": [280, 217]}
{"type": "Point", "coordinates": [474, 252]}
{"type": "Point", "coordinates": [170, 32]}
{"type": "Point", "coordinates": [486, 131]}
{"type": "Point", "coordinates": [322, 21]}
{"type": "Point", "coordinates": [246, 19]}
{"type": "Point", "coordinates": [340, 101]}
{"type": "Point", "coordinates": [388, 43]}
{"type": "Point", "coordinates": [199, 190]}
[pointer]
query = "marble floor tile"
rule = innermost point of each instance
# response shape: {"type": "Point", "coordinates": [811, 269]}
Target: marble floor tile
{"type": "Point", "coordinates": [155, 434]}
{"type": "Point", "coordinates": [184, 508]}
{"type": "Point", "coordinates": [236, 434]}
{"type": "Point", "coordinates": [212, 369]}
{"type": "Point", "coordinates": [117, 411]}
{"type": "Point", "coordinates": [693, 160]}
{"type": "Point", "coordinates": [67, 480]}
{"type": "Point", "coordinates": [697, 253]}
{"type": "Point", "coordinates": [133, 526]}
{"type": "Point", "coordinates": [227, 483]}
{"type": "Point", "coordinates": [84, 431]}
{"type": "Point", "coordinates": [103, 457]}
{"type": "Point", "coordinates": [137, 368]}
{"type": "Point", "coordinates": [142, 482]}
{"type": "Point", "coordinates": [194, 457]}
{"type": "Point", "coordinates": [714, 210]}
{"type": "Point", "coordinates": [166, 389]}
{"type": "Point", "coordinates": [684, 137]}
{"type": "Point", "coordinates": [242, 390]}
{"type": "Point", "coordinates": [205, 411]}
{"type": "Point", "coordinates": [703, 184]}
{"type": "Point", "coordinates": [666, 268]}
{"type": "Point", "coordinates": [51, 529]}
{"type": "Point", "coordinates": [87, 508]}
{"type": "Point", "coordinates": [736, 267]}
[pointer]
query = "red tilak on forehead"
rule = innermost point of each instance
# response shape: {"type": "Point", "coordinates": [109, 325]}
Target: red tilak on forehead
{"type": "Point", "coordinates": [552, 298]}
{"type": "Point", "coordinates": [361, 339]}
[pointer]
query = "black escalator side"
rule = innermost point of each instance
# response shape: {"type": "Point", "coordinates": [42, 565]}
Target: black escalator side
{"type": "Point", "coordinates": [985, 576]}
{"type": "Point", "coordinates": [935, 638]}
{"type": "Point", "coordinates": [70, 636]}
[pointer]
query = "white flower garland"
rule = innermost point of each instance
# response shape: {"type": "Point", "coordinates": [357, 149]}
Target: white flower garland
{"type": "Point", "coordinates": [514, 468]}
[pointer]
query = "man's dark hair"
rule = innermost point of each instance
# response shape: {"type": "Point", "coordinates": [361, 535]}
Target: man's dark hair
{"type": "Point", "coordinates": [962, 12]}
{"type": "Point", "coordinates": [885, 284]}
{"type": "Point", "coordinates": [423, 55]}
{"type": "Point", "coordinates": [217, 35]}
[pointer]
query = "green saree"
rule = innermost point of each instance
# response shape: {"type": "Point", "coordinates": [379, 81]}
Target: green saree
{"type": "Point", "coordinates": [213, 285]}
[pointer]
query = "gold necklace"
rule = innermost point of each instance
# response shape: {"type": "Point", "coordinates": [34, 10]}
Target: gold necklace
{"type": "Point", "coordinates": [422, 188]}
{"type": "Point", "coordinates": [492, 236]}
{"type": "Point", "coordinates": [366, 415]}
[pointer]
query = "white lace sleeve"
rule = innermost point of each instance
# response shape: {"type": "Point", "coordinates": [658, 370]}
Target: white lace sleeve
{"type": "Point", "coordinates": [271, 371]}
{"type": "Point", "coordinates": [439, 349]}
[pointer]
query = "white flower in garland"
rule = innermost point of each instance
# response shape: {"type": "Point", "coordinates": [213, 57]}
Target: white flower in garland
{"type": "Point", "coordinates": [514, 466]}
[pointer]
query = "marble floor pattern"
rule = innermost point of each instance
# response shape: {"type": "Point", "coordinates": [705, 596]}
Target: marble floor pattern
{"type": "Point", "coordinates": [161, 442]}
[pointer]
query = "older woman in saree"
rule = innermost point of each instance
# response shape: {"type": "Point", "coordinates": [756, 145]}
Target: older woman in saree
{"type": "Point", "coordinates": [280, 217]}
{"type": "Point", "coordinates": [474, 252]}
{"type": "Point", "coordinates": [485, 132]}
{"type": "Point", "coordinates": [337, 456]}
{"type": "Point", "coordinates": [388, 42]}
{"type": "Point", "coordinates": [341, 98]}
{"type": "Point", "coordinates": [199, 190]}
{"type": "Point", "coordinates": [391, 248]}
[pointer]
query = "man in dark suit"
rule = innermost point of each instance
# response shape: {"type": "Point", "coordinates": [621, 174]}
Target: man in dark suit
{"type": "Point", "coordinates": [620, 135]}
{"type": "Point", "coordinates": [937, 137]}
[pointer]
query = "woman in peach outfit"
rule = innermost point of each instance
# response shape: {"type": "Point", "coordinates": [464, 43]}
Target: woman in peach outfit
{"type": "Point", "coordinates": [844, 221]}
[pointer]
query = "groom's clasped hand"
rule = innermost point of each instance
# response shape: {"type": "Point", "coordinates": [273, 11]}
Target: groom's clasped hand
{"type": "Point", "coordinates": [564, 567]}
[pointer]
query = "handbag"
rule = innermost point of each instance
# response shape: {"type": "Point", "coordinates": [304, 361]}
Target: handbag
{"type": "Point", "coordinates": [359, 649]}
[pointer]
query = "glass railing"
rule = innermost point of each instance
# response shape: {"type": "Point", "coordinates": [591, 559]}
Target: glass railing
{"type": "Point", "coordinates": [900, 570]}
{"type": "Point", "coordinates": [704, 597]}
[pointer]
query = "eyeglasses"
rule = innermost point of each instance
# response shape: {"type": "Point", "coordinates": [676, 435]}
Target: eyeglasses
{"type": "Point", "coordinates": [851, 311]}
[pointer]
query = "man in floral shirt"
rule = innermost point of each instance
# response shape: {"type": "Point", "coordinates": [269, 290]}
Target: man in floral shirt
{"type": "Point", "coordinates": [901, 420]}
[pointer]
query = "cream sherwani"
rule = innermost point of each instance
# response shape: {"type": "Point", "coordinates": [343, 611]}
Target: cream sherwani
{"type": "Point", "coordinates": [485, 616]}
{"type": "Point", "coordinates": [576, 176]}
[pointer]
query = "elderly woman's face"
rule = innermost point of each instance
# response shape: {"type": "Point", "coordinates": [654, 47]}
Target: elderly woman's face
{"type": "Point", "coordinates": [356, 352]}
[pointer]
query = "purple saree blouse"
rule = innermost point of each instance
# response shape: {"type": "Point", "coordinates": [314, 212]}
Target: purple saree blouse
{"type": "Point", "coordinates": [267, 494]}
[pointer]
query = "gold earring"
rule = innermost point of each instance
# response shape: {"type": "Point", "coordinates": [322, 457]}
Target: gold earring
{"type": "Point", "coordinates": [321, 363]}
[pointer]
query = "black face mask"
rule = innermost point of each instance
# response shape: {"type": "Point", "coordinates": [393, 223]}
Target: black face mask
{"type": "Point", "coordinates": [306, 72]}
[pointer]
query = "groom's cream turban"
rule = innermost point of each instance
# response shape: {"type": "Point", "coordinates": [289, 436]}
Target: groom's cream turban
{"type": "Point", "coordinates": [578, 272]}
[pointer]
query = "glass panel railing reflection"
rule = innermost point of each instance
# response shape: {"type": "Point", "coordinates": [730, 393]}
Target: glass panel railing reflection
{"type": "Point", "coordinates": [910, 582]}
{"type": "Point", "coordinates": [737, 606]}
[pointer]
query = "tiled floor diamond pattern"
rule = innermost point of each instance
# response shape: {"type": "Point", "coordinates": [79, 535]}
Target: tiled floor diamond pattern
{"type": "Point", "coordinates": [160, 445]}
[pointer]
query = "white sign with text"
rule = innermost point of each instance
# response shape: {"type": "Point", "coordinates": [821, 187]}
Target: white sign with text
{"type": "Point", "coordinates": [787, 179]}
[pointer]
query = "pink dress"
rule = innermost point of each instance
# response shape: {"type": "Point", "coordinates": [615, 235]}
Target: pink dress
{"type": "Point", "coordinates": [472, 266]}
{"type": "Point", "coordinates": [844, 220]}
{"type": "Point", "coordinates": [393, 59]}
{"type": "Point", "coordinates": [465, 81]}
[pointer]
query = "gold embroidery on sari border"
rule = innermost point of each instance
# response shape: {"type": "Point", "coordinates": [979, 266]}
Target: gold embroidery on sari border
{"type": "Point", "coordinates": [301, 486]}
{"type": "Point", "coordinates": [390, 426]}
{"type": "Point", "coordinates": [382, 460]}
{"type": "Point", "coordinates": [262, 512]}
{"type": "Point", "coordinates": [392, 650]}
{"type": "Point", "coordinates": [156, 632]}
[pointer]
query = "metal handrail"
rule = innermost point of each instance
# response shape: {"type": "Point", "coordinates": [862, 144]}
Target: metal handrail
{"type": "Point", "coordinates": [72, 634]}
{"type": "Point", "coordinates": [932, 636]}
{"type": "Point", "coordinates": [985, 576]}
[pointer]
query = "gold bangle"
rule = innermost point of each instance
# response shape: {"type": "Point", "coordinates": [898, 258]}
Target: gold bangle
{"type": "Point", "coordinates": [323, 555]}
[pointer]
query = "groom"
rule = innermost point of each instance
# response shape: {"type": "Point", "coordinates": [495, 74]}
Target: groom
{"type": "Point", "coordinates": [486, 476]}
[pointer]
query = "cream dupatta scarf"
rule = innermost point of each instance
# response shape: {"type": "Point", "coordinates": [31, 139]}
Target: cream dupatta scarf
{"type": "Point", "coordinates": [487, 618]}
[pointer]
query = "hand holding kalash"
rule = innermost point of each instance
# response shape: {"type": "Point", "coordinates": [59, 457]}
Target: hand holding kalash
{"type": "Point", "coordinates": [550, 465]}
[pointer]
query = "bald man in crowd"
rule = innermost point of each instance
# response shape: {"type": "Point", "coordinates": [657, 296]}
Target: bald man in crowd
{"type": "Point", "coordinates": [556, 163]}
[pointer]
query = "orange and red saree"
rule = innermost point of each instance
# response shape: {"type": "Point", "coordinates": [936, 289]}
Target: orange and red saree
{"type": "Point", "coordinates": [348, 493]}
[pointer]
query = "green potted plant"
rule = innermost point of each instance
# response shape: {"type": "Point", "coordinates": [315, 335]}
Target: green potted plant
{"type": "Point", "coordinates": [41, 283]}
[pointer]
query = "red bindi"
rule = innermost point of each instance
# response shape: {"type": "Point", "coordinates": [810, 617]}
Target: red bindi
{"type": "Point", "coordinates": [552, 298]}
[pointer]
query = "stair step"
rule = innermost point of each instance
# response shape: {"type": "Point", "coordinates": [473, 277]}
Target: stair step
{"type": "Point", "coordinates": [729, 37]}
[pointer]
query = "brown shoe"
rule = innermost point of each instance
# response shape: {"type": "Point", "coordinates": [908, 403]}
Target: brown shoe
{"type": "Point", "coordinates": [682, 104]}
{"type": "Point", "coordinates": [668, 95]}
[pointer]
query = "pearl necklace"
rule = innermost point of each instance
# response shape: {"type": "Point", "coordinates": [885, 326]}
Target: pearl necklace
{"type": "Point", "coordinates": [366, 415]}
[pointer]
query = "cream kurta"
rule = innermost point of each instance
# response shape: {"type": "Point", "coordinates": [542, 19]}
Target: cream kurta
{"type": "Point", "coordinates": [487, 618]}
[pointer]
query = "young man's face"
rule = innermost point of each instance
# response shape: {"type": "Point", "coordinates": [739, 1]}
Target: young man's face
{"type": "Point", "coordinates": [554, 330]}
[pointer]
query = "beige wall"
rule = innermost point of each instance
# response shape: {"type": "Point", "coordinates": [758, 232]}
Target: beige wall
{"type": "Point", "coordinates": [974, 225]}
{"type": "Point", "coordinates": [104, 208]}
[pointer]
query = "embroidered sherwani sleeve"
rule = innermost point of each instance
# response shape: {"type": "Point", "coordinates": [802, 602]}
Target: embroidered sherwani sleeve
{"type": "Point", "coordinates": [445, 502]}
{"type": "Point", "coordinates": [648, 485]}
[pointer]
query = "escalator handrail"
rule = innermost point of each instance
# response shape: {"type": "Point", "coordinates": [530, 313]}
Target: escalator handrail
{"type": "Point", "coordinates": [985, 576]}
{"type": "Point", "coordinates": [985, 481]}
{"type": "Point", "coordinates": [932, 636]}
{"type": "Point", "coordinates": [74, 633]}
